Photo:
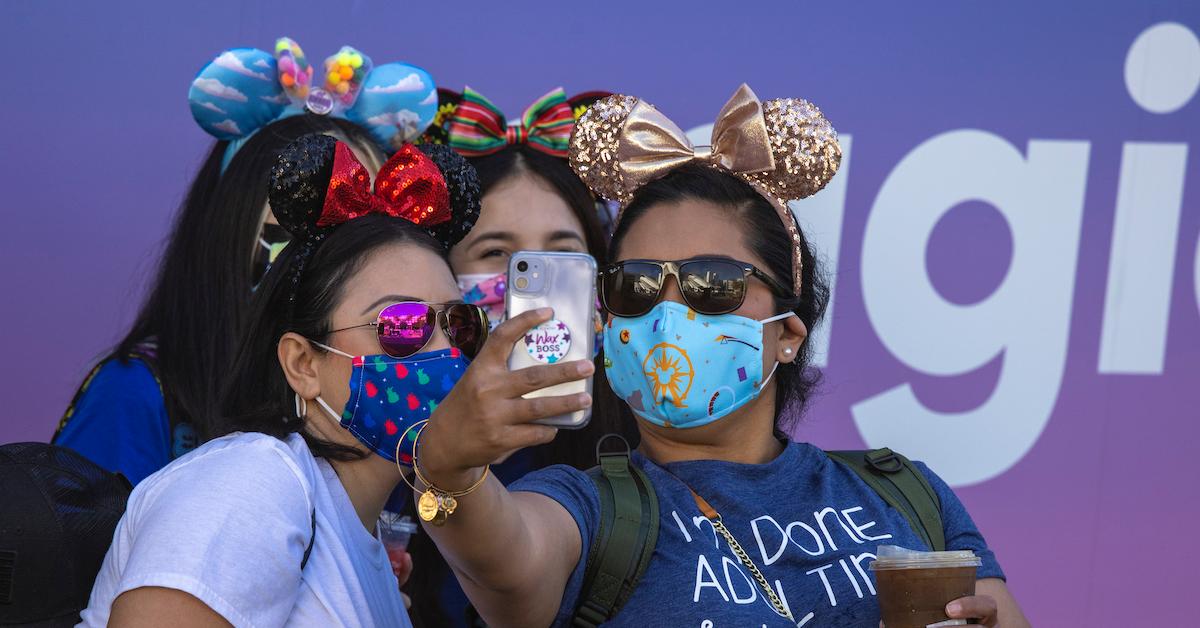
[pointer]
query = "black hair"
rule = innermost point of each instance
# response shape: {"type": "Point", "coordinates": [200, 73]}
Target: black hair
{"type": "Point", "coordinates": [520, 159]}
{"type": "Point", "coordinates": [202, 289]}
{"type": "Point", "coordinates": [765, 234]}
{"type": "Point", "coordinates": [610, 415]}
{"type": "Point", "coordinates": [307, 281]}
{"type": "Point", "coordinates": [257, 397]}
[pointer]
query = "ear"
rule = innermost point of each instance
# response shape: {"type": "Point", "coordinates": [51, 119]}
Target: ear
{"type": "Point", "coordinates": [299, 361]}
{"type": "Point", "coordinates": [792, 334]}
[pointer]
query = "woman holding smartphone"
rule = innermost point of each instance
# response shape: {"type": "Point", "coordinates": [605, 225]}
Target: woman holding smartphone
{"type": "Point", "coordinates": [711, 296]}
{"type": "Point", "coordinates": [532, 201]}
{"type": "Point", "coordinates": [356, 334]}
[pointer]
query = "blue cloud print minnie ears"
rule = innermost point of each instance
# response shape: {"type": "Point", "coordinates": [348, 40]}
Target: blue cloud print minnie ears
{"type": "Point", "coordinates": [245, 89]}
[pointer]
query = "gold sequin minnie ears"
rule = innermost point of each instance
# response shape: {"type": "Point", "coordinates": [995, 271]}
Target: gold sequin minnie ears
{"type": "Point", "coordinates": [784, 148]}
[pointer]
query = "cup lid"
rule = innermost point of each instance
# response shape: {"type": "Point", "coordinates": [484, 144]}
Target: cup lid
{"type": "Point", "coordinates": [895, 557]}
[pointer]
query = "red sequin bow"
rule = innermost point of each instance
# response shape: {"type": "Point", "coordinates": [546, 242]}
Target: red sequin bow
{"type": "Point", "coordinates": [408, 186]}
{"type": "Point", "coordinates": [478, 128]}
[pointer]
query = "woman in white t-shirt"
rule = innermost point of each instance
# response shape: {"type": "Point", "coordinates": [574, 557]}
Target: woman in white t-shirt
{"type": "Point", "coordinates": [273, 523]}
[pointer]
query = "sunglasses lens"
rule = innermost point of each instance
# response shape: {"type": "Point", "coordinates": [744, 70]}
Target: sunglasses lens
{"type": "Point", "coordinates": [712, 286]}
{"type": "Point", "coordinates": [404, 328]}
{"type": "Point", "coordinates": [467, 327]}
{"type": "Point", "coordinates": [631, 288]}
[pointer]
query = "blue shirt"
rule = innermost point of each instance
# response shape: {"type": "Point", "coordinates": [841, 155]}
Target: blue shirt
{"type": "Point", "coordinates": [120, 421]}
{"type": "Point", "coordinates": [810, 525]}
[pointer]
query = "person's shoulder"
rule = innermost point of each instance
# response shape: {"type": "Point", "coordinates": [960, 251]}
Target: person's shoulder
{"type": "Point", "coordinates": [935, 481]}
{"type": "Point", "coordinates": [124, 377]}
{"type": "Point", "coordinates": [245, 464]}
{"type": "Point", "coordinates": [126, 370]}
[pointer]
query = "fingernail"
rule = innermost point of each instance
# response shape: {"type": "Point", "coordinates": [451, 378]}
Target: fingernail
{"type": "Point", "coordinates": [953, 609]}
{"type": "Point", "coordinates": [585, 399]}
{"type": "Point", "coordinates": [583, 367]}
{"type": "Point", "coordinates": [546, 311]}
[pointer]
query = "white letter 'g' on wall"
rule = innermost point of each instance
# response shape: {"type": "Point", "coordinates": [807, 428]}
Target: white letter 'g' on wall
{"type": "Point", "coordinates": [1027, 318]}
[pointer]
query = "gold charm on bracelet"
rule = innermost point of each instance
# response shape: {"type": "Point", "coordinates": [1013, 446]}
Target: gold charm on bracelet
{"type": "Point", "coordinates": [428, 506]}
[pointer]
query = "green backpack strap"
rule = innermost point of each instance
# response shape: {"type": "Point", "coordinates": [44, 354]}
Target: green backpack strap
{"type": "Point", "coordinates": [902, 485]}
{"type": "Point", "coordinates": [625, 540]}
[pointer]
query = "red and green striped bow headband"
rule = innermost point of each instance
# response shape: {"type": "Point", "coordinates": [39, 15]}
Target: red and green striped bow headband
{"type": "Point", "coordinates": [478, 128]}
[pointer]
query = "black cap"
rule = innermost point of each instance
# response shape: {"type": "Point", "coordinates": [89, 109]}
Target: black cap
{"type": "Point", "coordinates": [57, 520]}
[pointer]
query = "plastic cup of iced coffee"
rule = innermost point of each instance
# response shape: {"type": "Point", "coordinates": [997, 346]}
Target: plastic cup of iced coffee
{"type": "Point", "coordinates": [915, 587]}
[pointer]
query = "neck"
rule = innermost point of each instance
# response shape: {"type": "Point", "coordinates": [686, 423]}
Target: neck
{"type": "Point", "coordinates": [746, 436]}
{"type": "Point", "coordinates": [368, 483]}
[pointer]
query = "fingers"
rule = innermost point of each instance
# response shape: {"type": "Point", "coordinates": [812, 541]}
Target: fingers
{"type": "Point", "coordinates": [501, 339]}
{"type": "Point", "coordinates": [528, 410]}
{"type": "Point", "coordinates": [974, 607]}
{"type": "Point", "coordinates": [522, 436]}
{"type": "Point", "coordinates": [533, 378]}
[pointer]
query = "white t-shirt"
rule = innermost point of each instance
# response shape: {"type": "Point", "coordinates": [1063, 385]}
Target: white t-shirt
{"type": "Point", "coordinates": [229, 523]}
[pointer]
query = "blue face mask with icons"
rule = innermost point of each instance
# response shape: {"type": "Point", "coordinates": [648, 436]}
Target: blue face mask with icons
{"type": "Point", "coordinates": [677, 368]}
{"type": "Point", "coordinates": [389, 395]}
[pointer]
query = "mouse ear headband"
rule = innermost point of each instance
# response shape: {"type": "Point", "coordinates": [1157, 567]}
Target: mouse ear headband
{"type": "Point", "coordinates": [245, 89]}
{"type": "Point", "coordinates": [784, 148]}
{"type": "Point", "coordinates": [470, 124]}
{"type": "Point", "coordinates": [317, 184]}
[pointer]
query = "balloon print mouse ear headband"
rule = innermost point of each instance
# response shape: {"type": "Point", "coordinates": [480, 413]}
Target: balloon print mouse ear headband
{"type": "Point", "coordinates": [784, 148]}
{"type": "Point", "coordinates": [245, 89]}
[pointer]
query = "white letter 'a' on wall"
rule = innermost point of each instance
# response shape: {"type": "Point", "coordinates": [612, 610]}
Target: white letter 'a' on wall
{"type": "Point", "coordinates": [1027, 318]}
{"type": "Point", "coordinates": [1141, 269]}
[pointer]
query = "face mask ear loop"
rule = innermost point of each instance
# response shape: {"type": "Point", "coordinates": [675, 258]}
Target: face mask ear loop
{"type": "Point", "coordinates": [331, 349]}
{"type": "Point", "coordinates": [328, 411]}
{"type": "Point", "coordinates": [777, 317]}
{"type": "Point", "coordinates": [760, 386]}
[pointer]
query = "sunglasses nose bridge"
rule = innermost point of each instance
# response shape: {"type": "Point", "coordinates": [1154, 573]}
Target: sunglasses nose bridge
{"type": "Point", "coordinates": [672, 284]}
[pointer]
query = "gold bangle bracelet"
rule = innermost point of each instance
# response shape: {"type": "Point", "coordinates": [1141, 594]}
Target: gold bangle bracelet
{"type": "Point", "coordinates": [435, 505]}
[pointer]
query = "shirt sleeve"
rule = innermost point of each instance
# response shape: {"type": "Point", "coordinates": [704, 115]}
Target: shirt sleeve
{"type": "Point", "coordinates": [961, 532]}
{"type": "Point", "coordinates": [120, 421]}
{"type": "Point", "coordinates": [576, 492]}
{"type": "Point", "coordinates": [228, 527]}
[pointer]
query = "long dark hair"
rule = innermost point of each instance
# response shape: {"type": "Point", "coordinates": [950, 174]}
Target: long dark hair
{"type": "Point", "coordinates": [202, 290]}
{"type": "Point", "coordinates": [764, 234]}
{"type": "Point", "coordinates": [257, 397]}
{"type": "Point", "coordinates": [610, 415]}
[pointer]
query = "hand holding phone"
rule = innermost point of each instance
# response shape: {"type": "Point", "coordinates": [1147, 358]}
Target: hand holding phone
{"type": "Point", "coordinates": [565, 282]}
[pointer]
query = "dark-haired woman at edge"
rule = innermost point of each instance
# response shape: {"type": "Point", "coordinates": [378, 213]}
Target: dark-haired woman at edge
{"type": "Point", "coordinates": [532, 200]}
{"type": "Point", "coordinates": [710, 300]}
{"type": "Point", "coordinates": [152, 398]}
{"type": "Point", "coordinates": [272, 523]}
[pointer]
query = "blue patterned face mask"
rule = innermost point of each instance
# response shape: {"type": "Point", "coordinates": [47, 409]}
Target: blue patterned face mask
{"type": "Point", "coordinates": [389, 395]}
{"type": "Point", "coordinates": [677, 368]}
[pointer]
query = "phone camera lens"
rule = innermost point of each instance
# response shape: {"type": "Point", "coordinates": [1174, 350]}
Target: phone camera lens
{"type": "Point", "coordinates": [522, 266]}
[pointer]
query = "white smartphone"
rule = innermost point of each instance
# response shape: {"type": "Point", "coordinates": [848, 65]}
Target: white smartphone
{"type": "Point", "coordinates": [565, 282]}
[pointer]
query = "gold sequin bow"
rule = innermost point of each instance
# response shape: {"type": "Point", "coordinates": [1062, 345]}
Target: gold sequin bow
{"type": "Point", "coordinates": [784, 148]}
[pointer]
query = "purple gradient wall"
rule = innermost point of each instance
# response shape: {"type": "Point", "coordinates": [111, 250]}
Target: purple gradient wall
{"type": "Point", "coordinates": [1091, 498]}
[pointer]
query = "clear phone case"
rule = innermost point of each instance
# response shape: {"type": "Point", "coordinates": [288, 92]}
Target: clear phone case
{"type": "Point", "coordinates": [565, 282]}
